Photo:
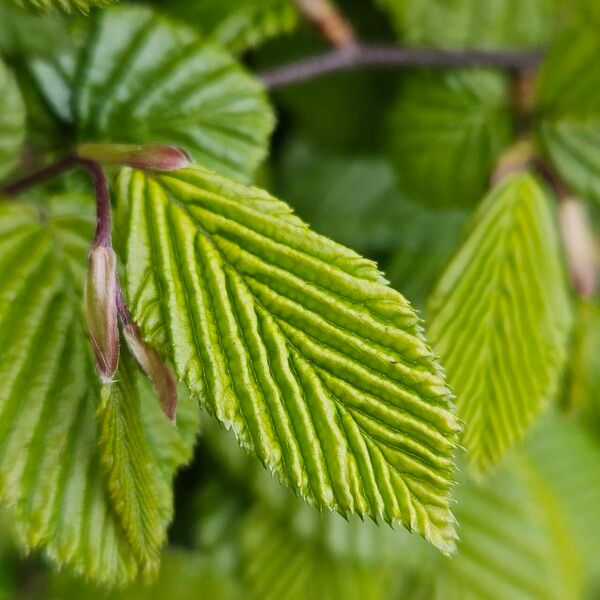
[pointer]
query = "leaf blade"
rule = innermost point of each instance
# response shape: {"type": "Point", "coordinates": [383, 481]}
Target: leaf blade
{"type": "Point", "coordinates": [500, 317]}
{"type": "Point", "coordinates": [246, 287]}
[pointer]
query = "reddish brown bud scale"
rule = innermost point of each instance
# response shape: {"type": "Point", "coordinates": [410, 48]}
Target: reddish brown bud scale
{"type": "Point", "coordinates": [101, 310]}
{"type": "Point", "coordinates": [159, 157]}
{"type": "Point", "coordinates": [155, 368]}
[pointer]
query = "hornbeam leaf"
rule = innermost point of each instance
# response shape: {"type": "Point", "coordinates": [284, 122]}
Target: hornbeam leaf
{"type": "Point", "coordinates": [460, 23]}
{"type": "Point", "coordinates": [129, 467]}
{"type": "Point", "coordinates": [62, 5]}
{"type": "Point", "coordinates": [12, 121]}
{"type": "Point", "coordinates": [279, 564]}
{"type": "Point", "coordinates": [295, 343]}
{"type": "Point", "coordinates": [500, 318]}
{"type": "Point", "coordinates": [569, 98]}
{"type": "Point", "coordinates": [50, 468]}
{"type": "Point", "coordinates": [236, 24]}
{"type": "Point", "coordinates": [515, 542]}
{"type": "Point", "coordinates": [175, 90]}
{"type": "Point", "coordinates": [447, 131]}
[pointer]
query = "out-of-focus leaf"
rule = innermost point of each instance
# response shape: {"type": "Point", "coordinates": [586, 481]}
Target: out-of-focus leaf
{"type": "Point", "coordinates": [515, 542]}
{"type": "Point", "coordinates": [50, 469]}
{"type": "Point", "coordinates": [447, 130]}
{"type": "Point", "coordinates": [355, 201]}
{"type": "Point", "coordinates": [182, 576]}
{"type": "Point", "coordinates": [175, 89]}
{"type": "Point", "coordinates": [294, 342]}
{"type": "Point", "coordinates": [500, 317]}
{"type": "Point", "coordinates": [12, 121]}
{"type": "Point", "coordinates": [236, 24]}
{"type": "Point", "coordinates": [280, 565]}
{"type": "Point", "coordinates": [569, 103]}
{"type": "Point", "coordinates": [567, 456]}
{"type": "Point", "coordinates": [62, 5]}
{"type": "Point", "coordinates": [480, 23]}
{"type": "Point", "coordinates": [426, 243]}
{"type": "Point", "coordinates": [22, 33]}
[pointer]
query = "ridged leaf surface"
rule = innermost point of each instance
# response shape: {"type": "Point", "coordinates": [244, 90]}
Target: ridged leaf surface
{"type": "Point", "coordinates": [50, 468]}
{"type": "Point", "coordinates": [12, 121]}
{"type": "Point", "coordinates": [295, 343]}
{"type": "Point", "coordinates": [500, 318]}
{"type": "Point", "coordinates": [236, 24]}
{"type": "Point", "coordinates": [142, 78]}
{"type": "Point", "coordinates": [446, 133]}
{"type": "Point", "coordinates": [67, 6]}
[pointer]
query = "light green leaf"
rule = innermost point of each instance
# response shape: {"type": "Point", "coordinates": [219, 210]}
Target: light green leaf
{"type": "Point", "coordinates": [278, 564]}
{"type": "Point", "coordinates": [515, 542]}
{"type": "Point", "coordinates": [12, 121]}
{"type": "Point", "coordinates": [478, 23]}
{"type": "Point", "coordinates": [175, 89]}
{"type": "Point", "coordinates": [236, 24]}
{"type": "Point", "coordinates": [50, 468]}
{"type": "Point", "coordinates": [569, 103]}
{"type": "Point", "coordinates": [293, 342]}
{"type": "Point", "coordinates": [62, 5]}
{"type": "Point", "coordinates": [447, 130]}
{"type": "Point", "coordinates": [500, 318]}
{"type": "Point", "coordinates": [130, 471]}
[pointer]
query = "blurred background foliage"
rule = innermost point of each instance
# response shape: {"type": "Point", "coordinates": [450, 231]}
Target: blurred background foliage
{"type": "Point", "coordinates": [390, 164]}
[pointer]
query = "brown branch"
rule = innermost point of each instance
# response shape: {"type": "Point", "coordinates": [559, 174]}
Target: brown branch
{"type": "Point", "coordinates": [329, 21]}
{"type": "Point", "coordinates": [392, 56]}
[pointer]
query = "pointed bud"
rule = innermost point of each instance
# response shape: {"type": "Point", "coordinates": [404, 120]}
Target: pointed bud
{"type": "Point", "coordinates": [101, 310]}
{"type": "Point", "coordinates": [155, 368]}
{"type": "Point", "coordinates": [160, 157]}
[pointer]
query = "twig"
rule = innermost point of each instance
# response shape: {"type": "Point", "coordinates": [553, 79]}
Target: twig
{"type": "Point", "coordinates": [41, 176]}
{"type": "Point", "coordinates": [102, 235]}
{"type": "Point", "coordinates": [393, 57]}
{"type": "Point", "coordinates": [334, 27]}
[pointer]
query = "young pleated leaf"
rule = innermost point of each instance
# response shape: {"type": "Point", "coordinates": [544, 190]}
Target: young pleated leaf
{"type": "Point", "coordinates": [476, 23]}
{"type": "Point", "coordinates": [500, 318]}
{"type": "Point", "coordinates": [130, 471]}
{"type": "Point", "coordinates": [515, 542]}
{"type": "Point", "coordinates": [569, 103]}
{"type": "Point", "coordinates": [236, 24]}
{"type": "Point", "coordinates": [295, 343]}
{"type": "Point", "coordinates": [175, 89]}
{"type": "Point", "coordinates": [279, 564]}
{"type": "Point", "coordinates": [50, 467]}
{"type": "Point", "coordinates": [12, 121]}
{"type": "Point", "coordinates": [67, 6]}
{"type": "Point", "coordinates": [447, 131]}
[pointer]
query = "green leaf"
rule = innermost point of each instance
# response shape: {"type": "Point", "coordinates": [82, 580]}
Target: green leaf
{"type": "Point", "coordinates": [477, 23]}
{"type": "Point", "coordinates": [183, 576]}
{"type": "Point", "coordinates": [278, 564]}
{"type": "Point", "coordinates": [447, 130]}
{"type": "Point", "coordinates": [236, 24]}
{"type": "Point", "coordinates": [62, 5]}
{"type": "Point", "coordinates": [515, 542]}
{"type": "Point", "coordinates": [50, 468]}
{"type": "Point", "coordinates": [568, 458]}
{"type": "Point", "coordinates": [129, 468]}
{"type": "Point", "coordinates": [12, 121]}
{"type": "Point", "coordinates": [569, 103]}
{"type": "Point", "coordinates": [293, 342]}
{"type": "Point", "coordinates": [500, 318]}
{"type": "Point", "coordinates": [175, 89]}
{"type": "Point", "coordinates": [355, 201]}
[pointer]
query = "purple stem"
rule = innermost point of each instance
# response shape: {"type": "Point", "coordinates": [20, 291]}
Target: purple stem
{"type": "Point", "coordinates": [394, 56]}
{"type": "Point", "coordinates": [101, 193]}
{"type": "Point", "coordinates": [38, 177]}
